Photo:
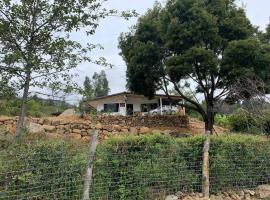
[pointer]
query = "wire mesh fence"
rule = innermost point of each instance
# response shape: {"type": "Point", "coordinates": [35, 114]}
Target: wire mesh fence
{"type": "Point", "coordinates": [124, 170]}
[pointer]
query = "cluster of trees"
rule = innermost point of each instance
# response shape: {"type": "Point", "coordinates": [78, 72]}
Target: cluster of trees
{"type": "Point", "coordinates": [204, 47]}
{"type": "Point", "coordinates": [97, 87]}
{"type": "Point", "coordinates": [36, 48]}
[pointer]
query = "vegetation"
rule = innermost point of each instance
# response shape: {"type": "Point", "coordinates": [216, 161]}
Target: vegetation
{"type": "Point", "coordinates": [97, 87]}
{"type": "Point", "coordinates": [243, 121]}
{"type": "Point", "coordinates": [162, 163]}
{"type": "Point", "coordinates": [133, 167]}
{"type": "Point", "coordinates": [44, 169]}
{"type": "Point", "coordinates": [37, 107]}
{"type": "Point", "coordinates": [195, 45]}
{"type": "Point", "coordinates": [36, 47]}
{"type": "Point", "coordinates": [6, 91]}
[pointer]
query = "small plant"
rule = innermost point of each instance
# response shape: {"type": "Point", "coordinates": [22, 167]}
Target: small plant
{"type": "Point", "coordinates": [222, 120]}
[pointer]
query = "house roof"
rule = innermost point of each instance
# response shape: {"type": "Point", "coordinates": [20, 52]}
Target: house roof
{"type": "Point", "coordinates": [134, 95]}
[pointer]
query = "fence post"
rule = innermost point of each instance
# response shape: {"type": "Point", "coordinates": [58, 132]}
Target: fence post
{"type": "Point", "coordinates": [205, 170]}
{"type": "Point", "coordinates": [90, 163]}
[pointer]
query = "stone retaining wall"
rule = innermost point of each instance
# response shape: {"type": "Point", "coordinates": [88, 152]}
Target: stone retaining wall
{"type": "Point", "coordinates": [147, 121]}
{"type": "Point", "coordinates": [108, 125]}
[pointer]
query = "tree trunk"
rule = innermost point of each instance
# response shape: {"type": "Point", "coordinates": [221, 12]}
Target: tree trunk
{"type": "Point", "coordinates": [205, 170]}
{"type": "Point", "coordinates": [209, 125]}
{"type": "Point", "coordinates": [20, 124]}
{"type": "Point", "coordinates": [89, 170]}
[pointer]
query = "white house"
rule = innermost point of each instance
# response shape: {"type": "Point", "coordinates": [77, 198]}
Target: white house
{"type": "Point", "coordinates": [126, 103]}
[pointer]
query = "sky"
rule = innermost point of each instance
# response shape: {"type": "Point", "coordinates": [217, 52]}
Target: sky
{"type": "Point", "coordinates": [109, 30]}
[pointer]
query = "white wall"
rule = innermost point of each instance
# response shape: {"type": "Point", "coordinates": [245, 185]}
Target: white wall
{"type": "Point", "coordinates": [135, 100]}
{"type": "Point", "coordinates": [99, 104]}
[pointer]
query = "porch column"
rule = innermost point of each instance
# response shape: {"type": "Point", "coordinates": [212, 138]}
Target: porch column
{"type": "Point", "coordinates": [125, 99]}
{"type": "Point", "coordinates": [161, 109]}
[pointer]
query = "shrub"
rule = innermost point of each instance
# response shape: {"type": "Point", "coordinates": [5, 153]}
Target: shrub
{"type": "Point", "coordinates": [132, 167]}
{"type": "Point", "coordinates": [222, 120]}
{"type": "Point", "coordinates": [42, 170]}
{"type": "Point", "coordinates": [243, 121]}
{"type": "Point", "coordinates": [138, 167]}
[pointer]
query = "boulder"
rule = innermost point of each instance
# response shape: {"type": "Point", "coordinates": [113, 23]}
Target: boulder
{"type": "Point", "coordinates": [84, 133]}
{"type": "Point", "coordinates": [68, 113]}
{"type": "Point", "coordinates": [86, 139]}
{"type": "Point", "coordinates": [78, 131]}
{"type": "Point", "coordinates": [74, 136]}
{"type": "Point", "coordinates": [35, 128]}
{"type": "Point", "coordinates": [144, 130]}
{"type": "Point", "coordinates": [124, 130]}
{"type": "Point", "coordinates": [133, 130]}
{"type": "Point", "coordinates": [263, 191]}
{"type": "Point", "coordinates": [116, 127]}
{"type": "Point", "coordinates": [171, 197]}
{"type": "Point", "coordinates": [46, 121]}
{"type": "Point", "coordinates": [99, 126]}
{"type": "Point", "coordinates": [55, 123]}
{"type": "Point", "coordinates": [49, 128]}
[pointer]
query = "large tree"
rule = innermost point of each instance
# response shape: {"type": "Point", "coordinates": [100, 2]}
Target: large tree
{"type": "Point", "coordinates": [88, 90]}
{"type": "Point", "coordinates": [37, 45]}
{"type": "Point", "coordinates": [203, 46]}
{"type": "Point", "coordinates": [100, 84]}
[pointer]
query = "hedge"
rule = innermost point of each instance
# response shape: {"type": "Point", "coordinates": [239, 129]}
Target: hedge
{"type": "Point", "coordinates": [50, 169]}
{"type": "Point", "coordinates": [139, 167]}
{"type": "Point", "coordinates": [132, 167]}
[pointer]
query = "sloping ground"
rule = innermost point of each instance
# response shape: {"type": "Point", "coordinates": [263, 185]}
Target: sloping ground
{"type": "Point", "coordinates": [195, 127]}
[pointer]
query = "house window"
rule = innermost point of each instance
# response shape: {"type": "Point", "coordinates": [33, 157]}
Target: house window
{"type": "Point", "coordinates": [112, 107]}
{"type": "Point", "coordinates": [148, 107]}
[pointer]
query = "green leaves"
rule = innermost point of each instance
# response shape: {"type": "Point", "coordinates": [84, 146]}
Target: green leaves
{"type": "Point", "coordinates": [245, 59]}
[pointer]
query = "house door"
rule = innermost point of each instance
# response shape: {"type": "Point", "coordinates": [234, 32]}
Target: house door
{"type": "Point", "coordinates": [129, 109]}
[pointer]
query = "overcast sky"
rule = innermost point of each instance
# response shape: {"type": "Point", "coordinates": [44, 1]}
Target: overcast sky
{"type": "Point", "coordinates": [258, 11]}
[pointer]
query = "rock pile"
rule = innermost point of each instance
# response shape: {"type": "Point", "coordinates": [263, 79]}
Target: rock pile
{"type": "Point", "coordinates": [146, 121]}
{"type": "Point", "coordinates": [259, 193]}
{"type": "Point", "coordinates": [107, 125]}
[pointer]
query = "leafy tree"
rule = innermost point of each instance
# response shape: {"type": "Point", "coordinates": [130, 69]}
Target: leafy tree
{"type": "Point", "coordinates": [36, 42]}
{"type": "Point", "coordinates": [88, 91]}
{"type": "Point", "coordinates": [202, 45]}
{"type": "Point", "coordinates": [6, 91]}
{"type": "Point", "coordinates": [100, 84]}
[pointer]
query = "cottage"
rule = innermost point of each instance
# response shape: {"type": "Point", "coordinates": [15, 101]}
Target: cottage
{"type": "Point", "coordinates": [127, 103]}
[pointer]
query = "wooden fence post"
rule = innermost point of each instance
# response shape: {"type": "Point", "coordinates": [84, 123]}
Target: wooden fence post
{"type": "Point", "coordinates": [90, 164]}
{"type": "Point", "coordinates": [205, 170]}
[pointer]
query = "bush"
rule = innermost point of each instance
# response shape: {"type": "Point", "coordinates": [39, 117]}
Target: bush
{"type": "Point", "coordinates": [222, 120]}
{"type": "Point", "coordinates": [244, 121]}
{"type": "Point", "coordinates": [133, 167]}
{"type": "Point", "coordinates": [138, 167]}
{"type": "Point", "coordinates": [42, 170]}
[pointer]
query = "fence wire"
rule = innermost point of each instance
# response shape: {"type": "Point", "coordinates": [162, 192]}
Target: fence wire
{"type": "Point", "coordinates": [125, 172]}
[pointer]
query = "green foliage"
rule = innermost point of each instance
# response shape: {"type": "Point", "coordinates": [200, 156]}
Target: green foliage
{"type": "Point", "coordinates": [42, 170]}
{"type": "Point", "coordinates": [35, 107]}
{"type": "Point", "coordinates": [242, 121]}
{"type": "Point", "coordinates": [88, 90]}
{"type": "Point", "coordinates": [201, 43]}
{"type": "Point", "coordinates": [222, 120]}
{"type": "Point", "coordinates": [133, 167]}
{"type": "Point", "coordinates": [6, 91]}
{"type": "Point", "coordinates": [136, 167]}
{"type": "Point", "coordinates": [96, 87]}
{"type": "Point", "coordinates": [100, 84]}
